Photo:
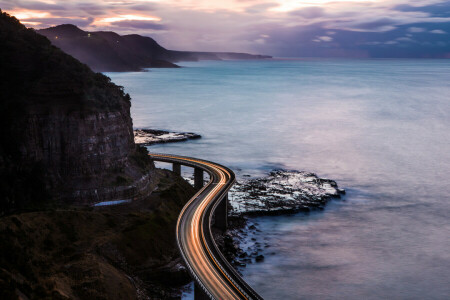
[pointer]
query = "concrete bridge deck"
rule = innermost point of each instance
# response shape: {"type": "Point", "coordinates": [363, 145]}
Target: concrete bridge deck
{"type": "Point", "coordinates": [214, 277]}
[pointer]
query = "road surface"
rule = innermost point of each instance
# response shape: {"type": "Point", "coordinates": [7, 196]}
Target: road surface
{"type": "Point", "coordinates": [210, 269]}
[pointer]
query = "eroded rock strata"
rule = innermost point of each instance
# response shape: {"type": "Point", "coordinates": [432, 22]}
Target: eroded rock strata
{"type": "Point", "coordinates": [66, 131]}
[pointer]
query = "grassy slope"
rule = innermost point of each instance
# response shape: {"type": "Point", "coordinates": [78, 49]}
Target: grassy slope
{"type": "Point", "coordinates": [120, 252]}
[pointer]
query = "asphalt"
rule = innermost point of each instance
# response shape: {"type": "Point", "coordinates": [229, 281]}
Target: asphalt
{"type": "Point", "coordinates": [211, 271]}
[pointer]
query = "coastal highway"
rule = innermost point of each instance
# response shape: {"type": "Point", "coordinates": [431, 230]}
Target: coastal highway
{"type": "Point", "coordinates": [211, 271]}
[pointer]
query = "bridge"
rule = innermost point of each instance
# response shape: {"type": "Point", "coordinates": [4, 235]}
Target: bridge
{"type": "Point", "coordinates": [214, 277]}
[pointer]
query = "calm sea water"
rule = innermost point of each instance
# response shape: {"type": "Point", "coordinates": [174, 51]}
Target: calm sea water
{"type": "Point", "coordinates": [380, 128]}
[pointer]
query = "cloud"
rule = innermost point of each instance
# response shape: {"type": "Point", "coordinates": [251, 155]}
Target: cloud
{"type": "Point", "coordinates": [438, 31]}
{"type": "Point", "coordinates": [312, 12]}
{"type": "Point", "coordinates": [32, 5]}
{"type": "Point", "coordinates": [434, 9]}
{"type": "Point", "coordinates": [139, 24]}
{"type": "Point", "coordinates": [260, 8]}
{"type": "Point", "coordinates": [325, 38]}
{"type": "Point", "coordinates": [404, 39]}
{"type": "Point", "coordinates": [383, 24]}
{"type": "Point", "coordinates": [278, 27]}
{"type": "Point", "coordinates": [49, 22]}
{"type": "Point", "coordinates": [416, 29]}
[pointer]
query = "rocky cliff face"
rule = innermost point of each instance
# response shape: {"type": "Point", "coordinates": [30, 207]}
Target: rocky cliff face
{"type": "Point", "coordinates": [66, 132]}
{"type": "Point", "coordinates": [91, 155]}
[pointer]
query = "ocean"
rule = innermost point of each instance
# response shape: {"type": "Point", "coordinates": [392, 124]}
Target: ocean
{"type": "Point", "coordinates": [379, 128]}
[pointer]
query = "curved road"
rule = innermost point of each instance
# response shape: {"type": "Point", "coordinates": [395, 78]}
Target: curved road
{"type": "Point", "coordinates": [211, 271]}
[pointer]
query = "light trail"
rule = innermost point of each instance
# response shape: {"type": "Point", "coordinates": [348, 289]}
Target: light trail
{"type": "Point", "coordinates": [207, 265]}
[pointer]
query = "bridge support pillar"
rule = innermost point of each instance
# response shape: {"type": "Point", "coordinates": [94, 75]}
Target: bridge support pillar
{"type": "Point", "coordinates": [221, 214]}
{"type": "Point", "coordinates": [198, 178]}
{"type": "Point", "coordinates": [199, 293]}
{"type": "Point", "coordinates": [176, 168]}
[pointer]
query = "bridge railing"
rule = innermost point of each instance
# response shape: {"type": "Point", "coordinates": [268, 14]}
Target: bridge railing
{"type": "Point", "coordinates": [219, 258]}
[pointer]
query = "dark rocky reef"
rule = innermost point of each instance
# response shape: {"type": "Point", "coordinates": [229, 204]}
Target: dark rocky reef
{"type": "Point", "coordinates": [109, 51]}
{"type": "Point", "coordinates": [66, 132]}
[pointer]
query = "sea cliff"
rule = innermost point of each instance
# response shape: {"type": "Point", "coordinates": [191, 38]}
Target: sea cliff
{"type": "Point", "coordinates": [67, 132]}
{"type": "Point", "coordinates": [67, 142]}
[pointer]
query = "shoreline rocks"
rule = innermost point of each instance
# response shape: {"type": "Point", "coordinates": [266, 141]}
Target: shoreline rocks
{"type": "Point", "coordinates": [240, 244]}
{"type": "Point", "coordinates": [147, 137]}
{"type": "Point", "coordinates": [282, 192]}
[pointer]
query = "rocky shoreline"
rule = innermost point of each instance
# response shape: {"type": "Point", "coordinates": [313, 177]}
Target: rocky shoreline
{"type": "Point", "coordinates": [147, 137]}
{"type": "Point", "coordinates": [281, 192]}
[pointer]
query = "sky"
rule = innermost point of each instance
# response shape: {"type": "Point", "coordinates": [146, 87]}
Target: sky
{"type": "Point", "coordinates": [282, 28]}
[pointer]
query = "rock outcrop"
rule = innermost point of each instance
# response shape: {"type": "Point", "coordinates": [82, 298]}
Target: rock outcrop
{"type": "Point", "coordinates": [149, 137]}
{"type": "Point", "coordinates": [282, 192]}
{"type": "Point", "coordinates": [66, 132]}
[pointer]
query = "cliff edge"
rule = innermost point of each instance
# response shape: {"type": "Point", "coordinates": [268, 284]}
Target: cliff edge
{"type": "Point", "coordinates": [66, 132]}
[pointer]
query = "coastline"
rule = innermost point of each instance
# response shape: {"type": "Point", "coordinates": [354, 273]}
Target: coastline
{"type": "Point", "coordinates": [330, 126]}
{"type": "Point", "coordinates": [280, 192]}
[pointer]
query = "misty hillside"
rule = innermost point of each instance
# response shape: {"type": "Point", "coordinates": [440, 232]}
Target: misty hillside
{"type": "Point", "coordinates": [109, 51]}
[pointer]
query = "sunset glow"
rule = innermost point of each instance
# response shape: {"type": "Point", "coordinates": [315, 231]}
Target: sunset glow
{"type": "Point", "coordinates": [119, 18]}
{"type": "Point", "coordinates": [29, 14]}
{"type": "Point", "coordinates": [281, 28]}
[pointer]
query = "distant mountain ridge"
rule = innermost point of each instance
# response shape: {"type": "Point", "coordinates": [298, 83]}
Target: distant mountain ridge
{"type": "Point", "coordinates": [109, 51]}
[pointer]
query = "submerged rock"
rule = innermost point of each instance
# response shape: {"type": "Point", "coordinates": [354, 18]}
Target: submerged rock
{"type": "Point", "coordinates": [282, 192]}
{"type": "Point", "coordinates": [150, 136]}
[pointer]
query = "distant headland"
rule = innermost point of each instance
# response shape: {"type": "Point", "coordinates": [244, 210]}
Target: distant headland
{"type": "Point", "coordinates": [108, 51]}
